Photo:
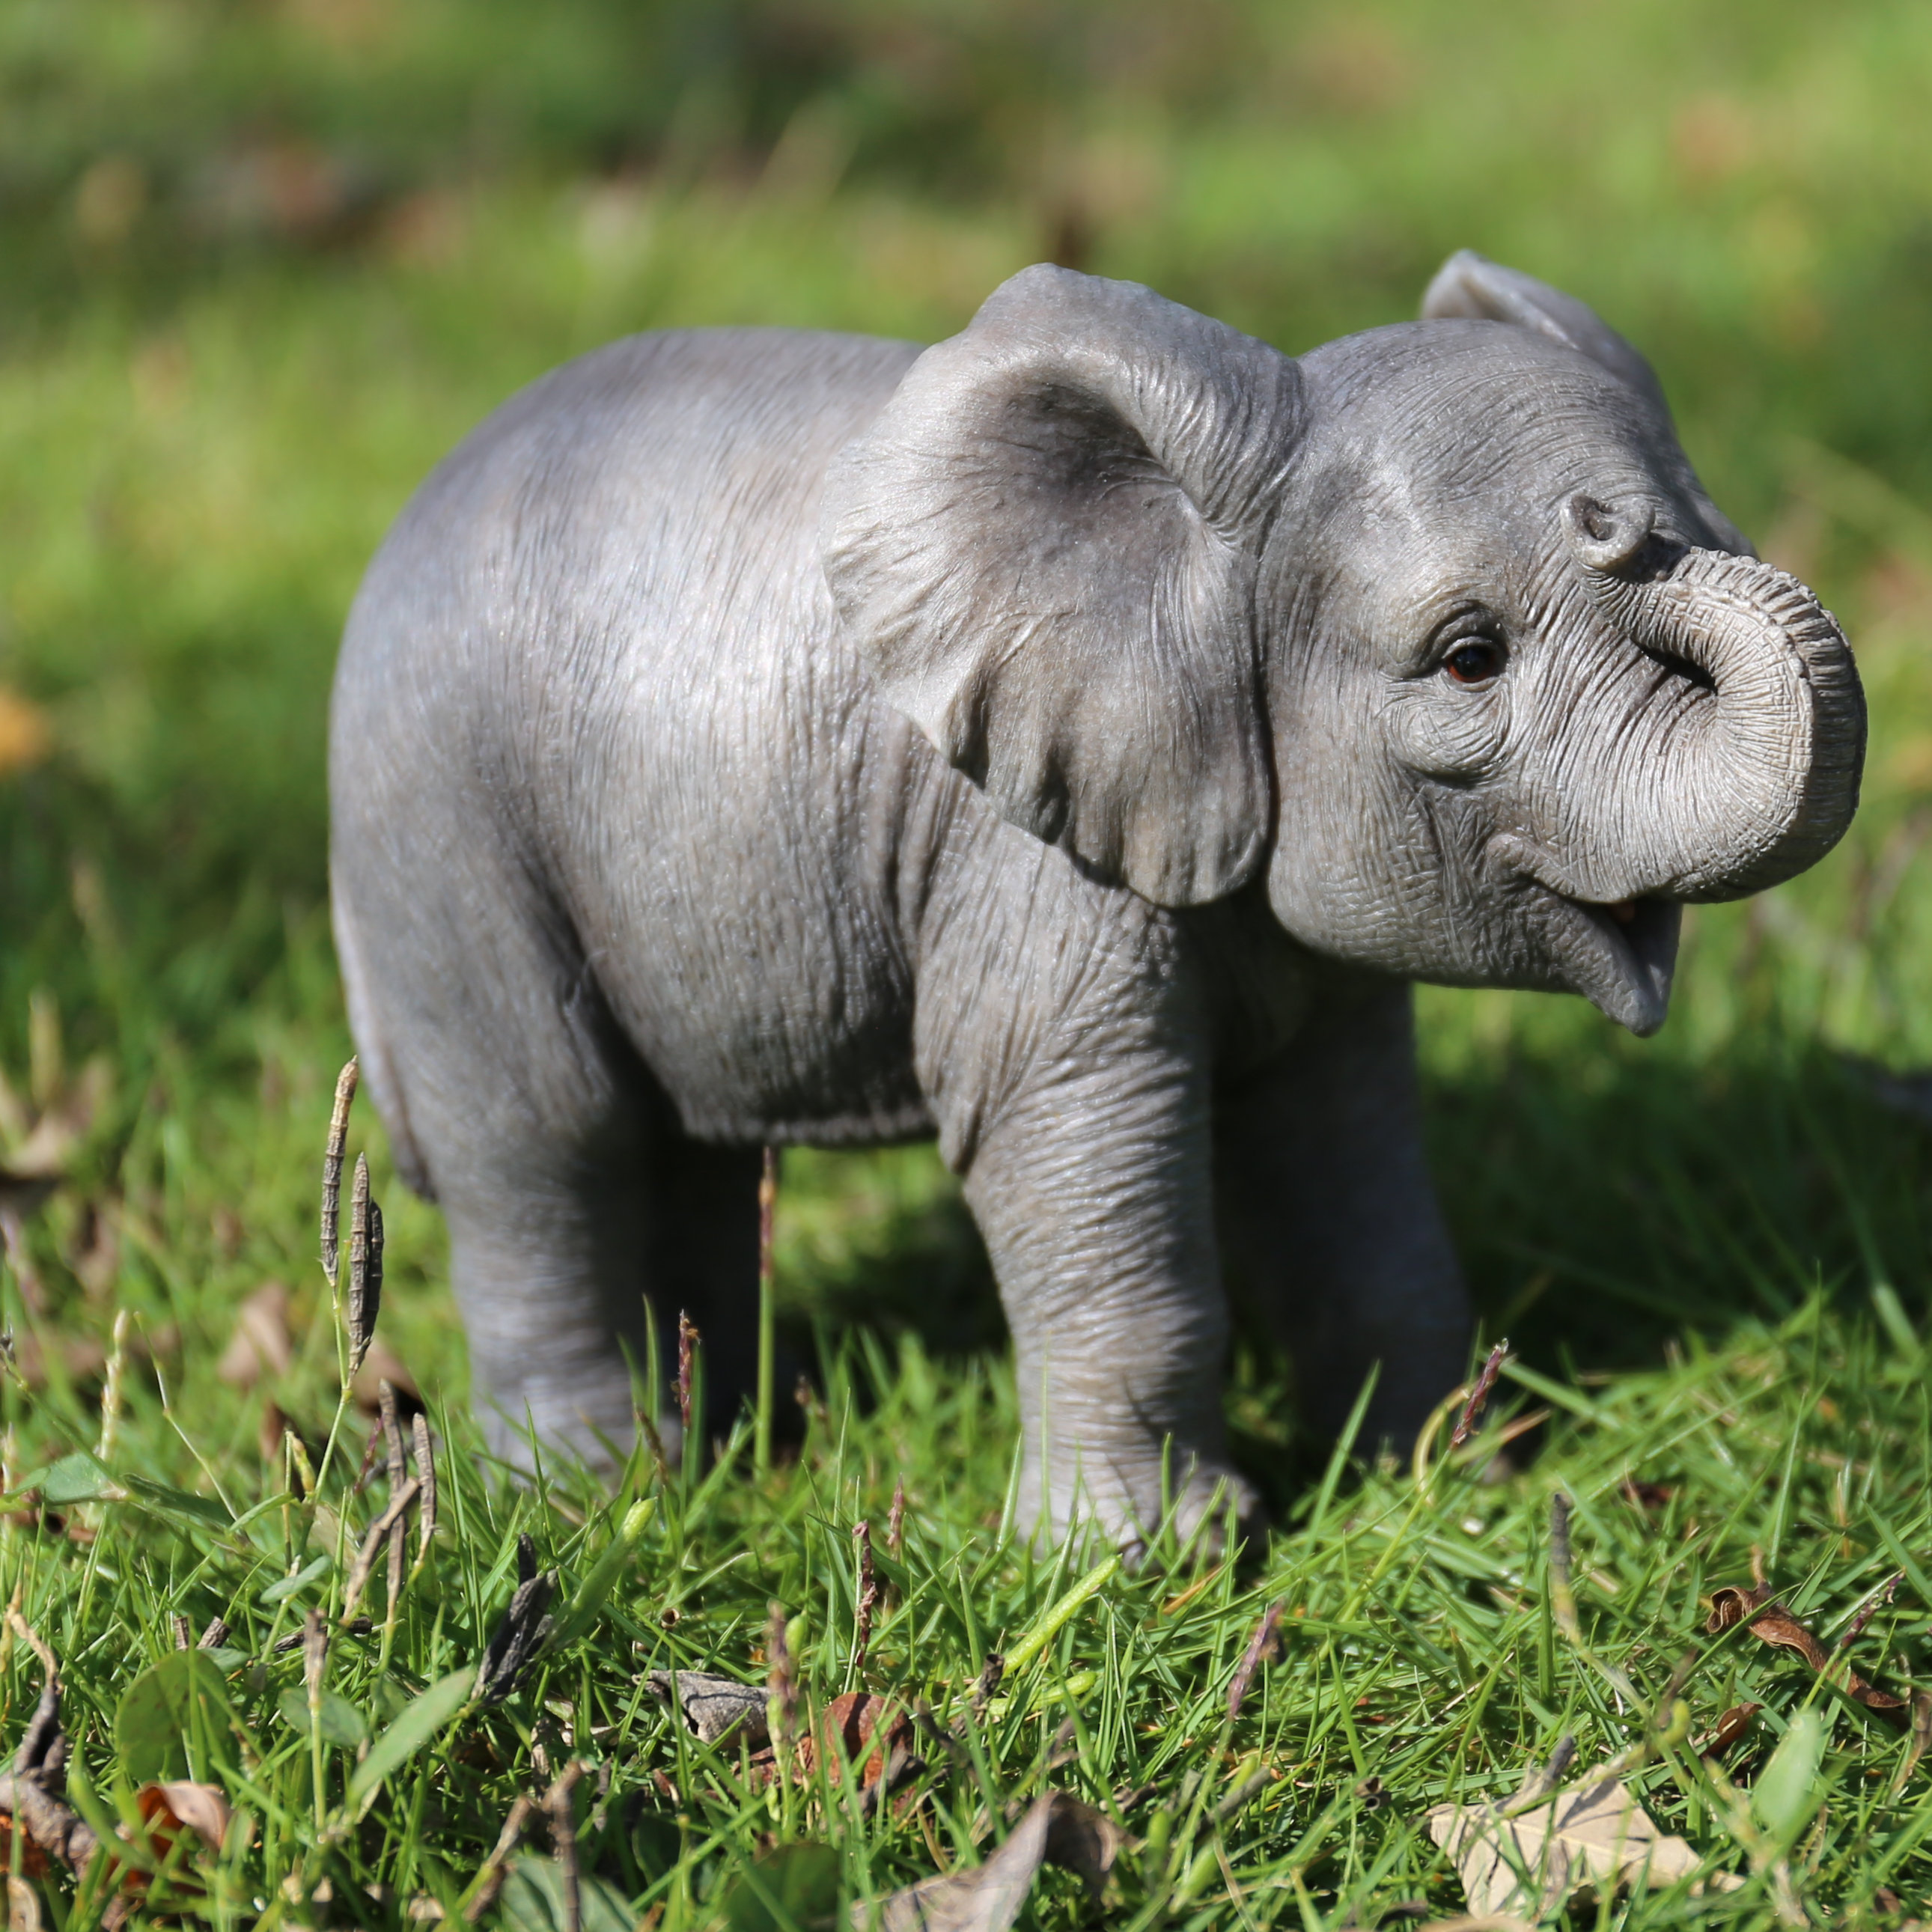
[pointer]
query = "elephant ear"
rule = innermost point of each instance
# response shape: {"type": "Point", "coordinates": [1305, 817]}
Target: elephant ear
{"type": "Point", "coordinates": [1470, 286]}
{"type": "Point", "coordinates": [1046, 549]}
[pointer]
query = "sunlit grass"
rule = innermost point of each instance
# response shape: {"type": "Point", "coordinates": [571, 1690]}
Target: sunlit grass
{"type": "Point", "coordinates": [211, 406]}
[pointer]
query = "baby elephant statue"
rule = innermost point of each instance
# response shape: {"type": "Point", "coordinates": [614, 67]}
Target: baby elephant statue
{"type": "Point", "coordinates": [1069, 741]}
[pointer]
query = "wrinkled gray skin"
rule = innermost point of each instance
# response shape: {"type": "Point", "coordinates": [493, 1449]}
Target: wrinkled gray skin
{"type": "Point", "coordinates": [1070, 741]}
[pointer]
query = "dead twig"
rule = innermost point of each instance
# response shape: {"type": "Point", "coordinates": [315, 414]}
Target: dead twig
{"type": "Point", "coordinates": [688, 1341]}
{"type": "Point", "coordinates": [1261, 1646]}
{"type": "Point", "coordinates": [425, 1461]}
{"type": "Point", "coordinates": [382, 1531]}
{"type": "Point", "coordinates": [867, 1597]}
{"type": "Point", "coordinates": [1479, 1395]}
{"type": "Point", "coordinates": [365, 1265]}
{"type": "Point", "coordinates": [525, 1626]}
{"type": "Point", "coordinates": [558, 1806]}
{"type": "Point", "coordinates": [399, 1479]}
{"type": "Point", "coordinates": [331, 1172]}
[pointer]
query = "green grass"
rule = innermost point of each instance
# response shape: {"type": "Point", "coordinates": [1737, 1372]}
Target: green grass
{"type": "Point", "coordinates": [265, 263]}
{"type": "Point", "coordinates": [1422, 1658]}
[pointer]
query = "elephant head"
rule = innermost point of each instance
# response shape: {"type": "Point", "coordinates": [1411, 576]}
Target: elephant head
{"type": "Point", "coordinates": [1433, 628]}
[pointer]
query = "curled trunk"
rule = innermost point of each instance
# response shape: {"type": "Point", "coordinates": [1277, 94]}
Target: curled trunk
{"type": "Point", "coordinates": [1761, 779]}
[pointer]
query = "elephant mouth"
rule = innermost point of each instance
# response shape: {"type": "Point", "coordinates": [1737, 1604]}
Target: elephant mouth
{"type": "Point", "coordinates": [1619, 954]}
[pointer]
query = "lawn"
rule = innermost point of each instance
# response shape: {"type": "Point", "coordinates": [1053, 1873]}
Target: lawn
{"type": "Point", "coordinates": [264, 263]}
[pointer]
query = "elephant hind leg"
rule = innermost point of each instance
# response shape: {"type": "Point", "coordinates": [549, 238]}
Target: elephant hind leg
{"type": "Point", "coordinates": [507, 1084]}
{"type": "Point", "coordinates": [1330, 1226]}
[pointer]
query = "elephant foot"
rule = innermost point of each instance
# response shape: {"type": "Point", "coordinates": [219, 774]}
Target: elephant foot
{"type": "Point", "coordinates": [590, 1421]}
{"type": "Point", "coordinates": [1191, 1512]}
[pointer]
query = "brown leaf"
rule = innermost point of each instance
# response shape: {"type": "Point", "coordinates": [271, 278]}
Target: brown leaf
{"type": "Point", "coordinates": [202, 1809]}
{"type": "Point", "coordinates": [383, 1364]}
{"type": "Point", "coordinates": [717, 1708]}
{"type": "Point", "coordinates": [1731, 1727]}
{"type": "Point", "coordinates": [1774, 1625]}
{"type": "Point", "coordinates": [1731, 1606]}
{"type": "Point", "coordinates": [26, 732]}
{"type": "Point", "coordinates": [262, 1344]}
{"type": "Point", "coordinates": [1596, 1834]}
{"type": "Point", "coordinates": [94, 1257]}
{"type": "Point", "coordinates": [1057, 1829]}
{"type": "Point", "coordinates": [33, 1860]}
{"type": "Point", "coordinates": [852, 1719]}
{"type": "Point", "coordinates": [69, 1118]}
{"type": "Point", "coordinates": [1645, 1495]}
{"type": "Point", "coordinates": [23, 1905]}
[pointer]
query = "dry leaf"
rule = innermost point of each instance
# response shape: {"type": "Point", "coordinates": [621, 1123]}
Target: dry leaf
{"type": "Point", "coordinates": [1732, 1725]}
{"type": "Point", "coordinates": [94, 1257]}
{"type": "Point", "coordinates": [383, 1364]}
{"type": "Point", "coordinates": [1772, 1623]}
{"type": "Point", "coordinates": [203, 1808]}
{"type": "Point", "coordinates": [33, 1860]}
{"type": "Point", "coordinates": [853, 1719]}
{"type": "Point", "coordinates": [23, 1905]}
{"type": "Point", "coordinates": [1057, 1830]}
{"type": "Point", "coordinates": [1596, 1834]}
{"type": "Point", "coordinates": [1493, 1921]}
{"type": "Point", "coordinates": [1646, 1496]}
{"type": "Point", "coordinates": [26, 732]}
{"type": "Point", "coordinates": [69, 1118]}
{"type": "Point", "coordinates": [716, 1708]}
{"type": "Point", "coordinates": [262, 1344]}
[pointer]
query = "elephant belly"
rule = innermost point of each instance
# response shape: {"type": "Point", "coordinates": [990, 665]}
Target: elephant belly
{"type": "Point", "coordinates": [747, 929]}
{"type": "Point", "coordinates": [764, 1019]}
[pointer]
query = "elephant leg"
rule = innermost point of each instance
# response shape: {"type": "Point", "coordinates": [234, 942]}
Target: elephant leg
{"type": "Point", "coordinates": [1092, 1193]}
{"type": "Point", "coordinates": [703, 1261]}
{"type": "Point", "coordinates": [1330, 1225]}
{"type": "Point", "coordinates": [514, 1101]}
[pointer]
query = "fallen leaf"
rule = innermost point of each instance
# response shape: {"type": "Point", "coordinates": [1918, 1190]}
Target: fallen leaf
{"type": "Point", "coordinates": [715, 1708]}
{"type": "Point", "coordinates": [23, 1905]}
{"type": "Point", "coordinates": [94, 1257]}
{"type": "Point", "coordinates": [1596, 1834]}
{"type": "Point", "coordinates": [1645, 1495]}
{"type": "Point", "coordinates": [1057, 1829]}
{"type": "Point", "coordinates": [69, 1118]}
{"type": "Point", "coordinates": [262, 1344]}
{"type": "Point", "coordinates": [1772, 1623]}
{"type": "Point", "coordinates": [202, 1808]}
{"type": "Point", "coordinates": [26, 732]}
{"type": "Point", "coordinates": [852, 1719]}
{"type": "Point", "coordinates": [1493, 1922]}
{"type": "Point", "coordinates": [33, 1860]}
{"type": "Point", "coordinates": [383, 1364]}
{"type": "Point", "coordinates": [1732, 1725]}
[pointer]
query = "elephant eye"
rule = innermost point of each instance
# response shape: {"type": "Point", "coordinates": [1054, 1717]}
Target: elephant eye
{"type": "Point", "coordinates": [1475, 661]}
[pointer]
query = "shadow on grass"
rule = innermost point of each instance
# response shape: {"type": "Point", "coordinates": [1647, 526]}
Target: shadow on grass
{"type": "Point", "coordinates": [1607, 1208]}
{"type": "Point", "coordinates": [1603, 1211]}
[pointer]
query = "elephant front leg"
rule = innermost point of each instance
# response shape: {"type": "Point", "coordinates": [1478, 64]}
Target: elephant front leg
{"type": "Point", "coordinates": [1092, 1195]}
{"type": "Point", "coordinates": [1329, 1223]}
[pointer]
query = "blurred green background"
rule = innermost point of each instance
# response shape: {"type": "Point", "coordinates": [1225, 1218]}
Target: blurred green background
{"type": "Point", "coordinates": [266, 260]}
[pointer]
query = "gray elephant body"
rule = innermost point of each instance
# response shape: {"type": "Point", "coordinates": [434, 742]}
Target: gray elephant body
{"type": "Point", "coordinates": [750, 737]}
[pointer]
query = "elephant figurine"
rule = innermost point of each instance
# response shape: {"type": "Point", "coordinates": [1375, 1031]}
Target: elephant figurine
{"type": "Point", "coordinates": [1068, 740]}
